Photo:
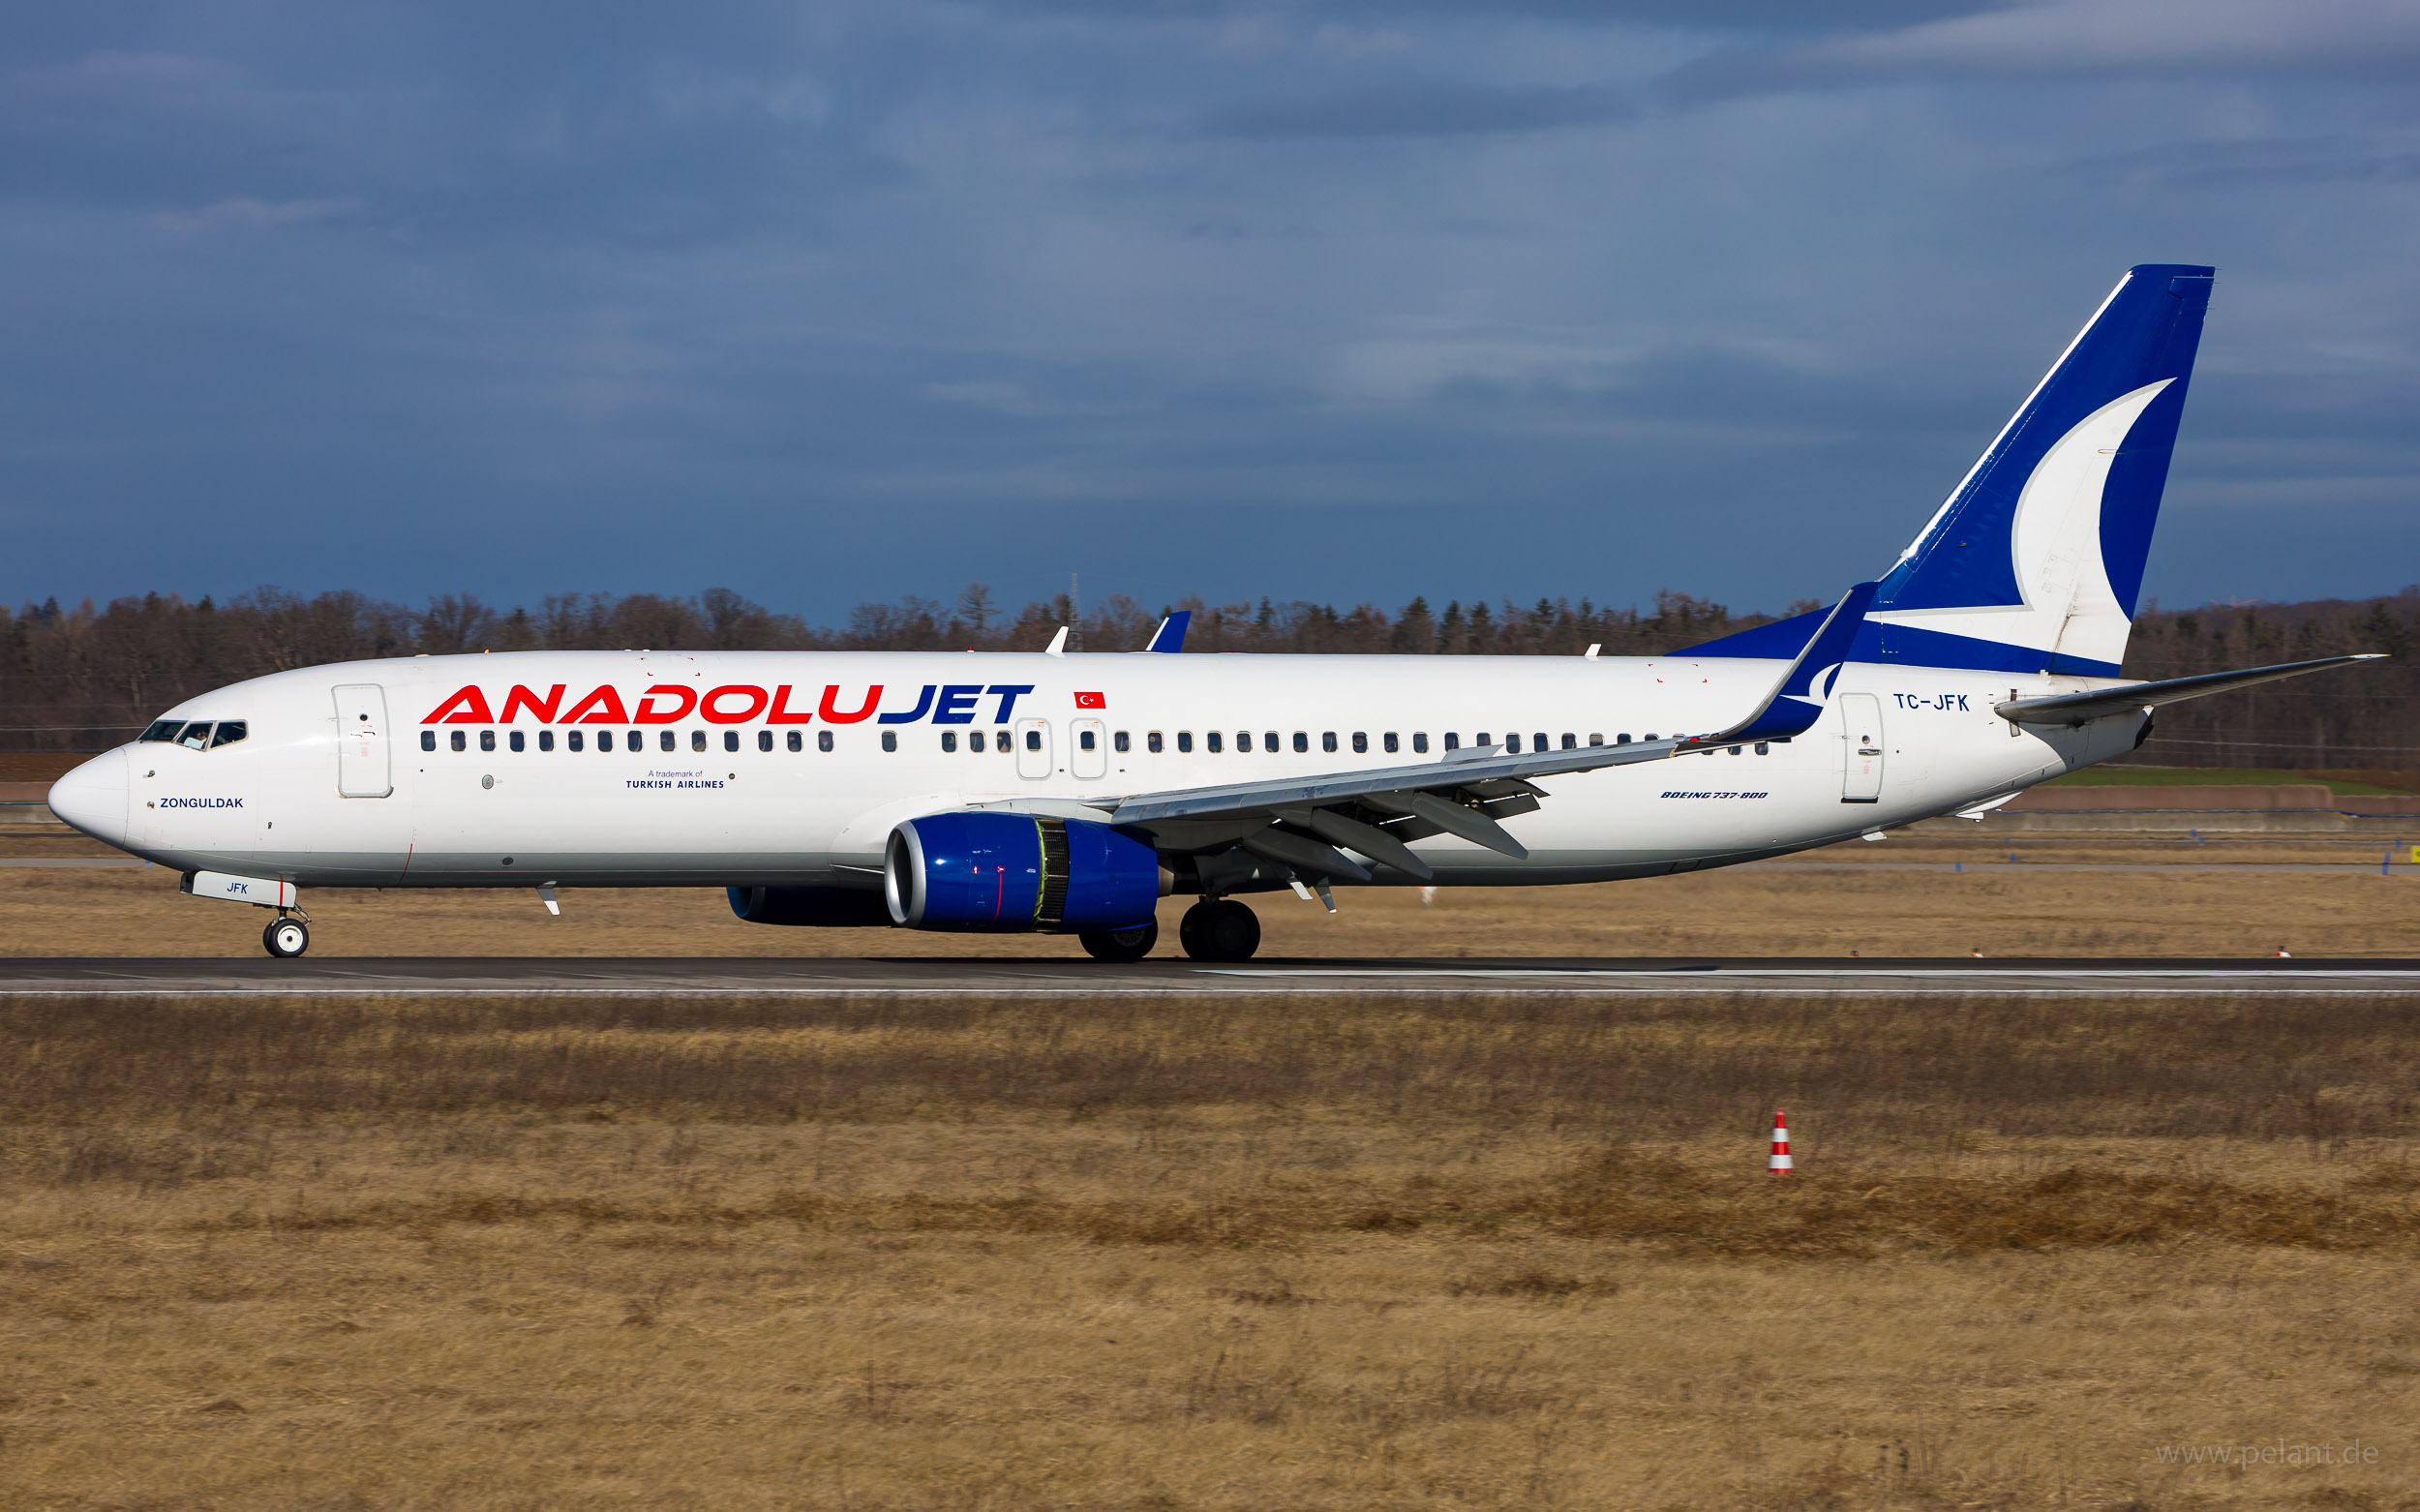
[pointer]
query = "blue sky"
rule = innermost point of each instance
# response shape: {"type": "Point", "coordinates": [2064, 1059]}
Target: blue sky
{"type": "Point", "coordinates": [1333, 300]}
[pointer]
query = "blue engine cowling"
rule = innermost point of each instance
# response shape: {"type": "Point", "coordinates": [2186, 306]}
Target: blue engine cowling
{"type": "Point", "coordinates": [1008, 873]}
{"type": "Point", "coordinates": [828, 908]}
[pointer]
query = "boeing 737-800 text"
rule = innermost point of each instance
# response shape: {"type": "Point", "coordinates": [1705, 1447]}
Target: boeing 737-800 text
{"type": "Point", "coordinates": [1040, 790]}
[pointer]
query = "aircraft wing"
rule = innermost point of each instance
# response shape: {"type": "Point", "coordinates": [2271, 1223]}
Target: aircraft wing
{"type": "Point", "coordinates": [2075, 709]}
{"type": "Point", "coordinates": [1300, 821]}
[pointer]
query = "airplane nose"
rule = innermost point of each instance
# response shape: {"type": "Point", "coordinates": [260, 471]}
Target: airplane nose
{"type": "Point", "coordinates": [93, 797]}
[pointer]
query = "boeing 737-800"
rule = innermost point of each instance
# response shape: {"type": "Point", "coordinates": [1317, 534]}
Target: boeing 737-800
{"type": "Point", "coordinates": [1070, 793]}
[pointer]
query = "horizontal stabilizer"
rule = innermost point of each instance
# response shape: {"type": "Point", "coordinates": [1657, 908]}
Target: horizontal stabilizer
{"type": "Point", "coordinates": [2075, 709]}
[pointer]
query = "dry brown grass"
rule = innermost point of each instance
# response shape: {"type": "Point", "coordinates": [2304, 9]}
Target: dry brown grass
{"type": "Point", "coordinates": [1490, 1252]}
{"type": "Point", "coordinates": [2000, 909]}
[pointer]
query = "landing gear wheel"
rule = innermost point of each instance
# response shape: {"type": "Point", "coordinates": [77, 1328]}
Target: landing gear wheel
{"type": "Point", "coordinates": [1121, 944]}
{"type": "Point", "coordinates": [285, 938]}
{"type": "Point", "coordinates": [1221, 931]}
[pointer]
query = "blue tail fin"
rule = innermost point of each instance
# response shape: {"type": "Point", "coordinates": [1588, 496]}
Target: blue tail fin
{"type": "Point", "coordinates": [2035, 562]}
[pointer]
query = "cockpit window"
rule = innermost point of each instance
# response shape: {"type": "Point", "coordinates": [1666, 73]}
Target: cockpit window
{"type": "Point", "coordinates": [163, 729]}
{"type": "Point", "coordinates": [196, 736]}
{"type": "Point", "coordinates": [228, 732]}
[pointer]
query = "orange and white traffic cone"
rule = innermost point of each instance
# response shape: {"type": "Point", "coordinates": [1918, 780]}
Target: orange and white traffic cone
{"type": "Point", "coordinates": [1778, 1163]}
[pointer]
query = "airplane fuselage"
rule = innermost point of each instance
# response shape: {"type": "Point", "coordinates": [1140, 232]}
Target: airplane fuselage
{"type": "Point", "coordinates": [740, 769]}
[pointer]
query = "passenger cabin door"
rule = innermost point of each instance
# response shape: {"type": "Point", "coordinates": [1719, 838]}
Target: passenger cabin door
{"type": "Point", "coordinates": [1861, 736]}
{"type": "Point", "coordinates": [361, 756]}
{"type": "Point", "coordinates": [1091, 756]}
{"type": "Point", "coordinates": [1033, 748]}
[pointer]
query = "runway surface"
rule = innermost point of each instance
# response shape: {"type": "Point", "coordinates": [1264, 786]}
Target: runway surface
{"type": "Point", "coordinates": [809, 976]}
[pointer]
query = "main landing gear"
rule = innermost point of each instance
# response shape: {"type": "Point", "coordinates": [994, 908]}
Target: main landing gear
{"type": "Point", "coordinates": [287, 937]}
{"type": "Point", "coordinates": [1219, 929]}
{"type": "Point", "coordinates": [1121, 944]}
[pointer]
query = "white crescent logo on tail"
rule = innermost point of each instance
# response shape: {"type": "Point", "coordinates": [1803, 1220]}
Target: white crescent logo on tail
{"type": "Point", "coordinates": [2055, 548]}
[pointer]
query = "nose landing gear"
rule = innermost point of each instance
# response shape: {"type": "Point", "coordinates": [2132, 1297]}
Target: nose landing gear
{"type": "Point", "coordinates": [287, 937]}
{"type": "Point", "coordinates": [1219, 929]}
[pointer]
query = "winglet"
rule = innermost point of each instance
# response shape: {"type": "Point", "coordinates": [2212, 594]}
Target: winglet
{"type": "Point", "coordinates": [1171, 636]}
{"type": "Point", "coordinates": [1793, 706]}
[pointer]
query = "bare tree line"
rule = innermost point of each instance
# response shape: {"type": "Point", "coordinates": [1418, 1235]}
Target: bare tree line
{"type": "Point", "coordinates": [2360, 718]}
{"type": "Point", "coordinates": [78, 678]}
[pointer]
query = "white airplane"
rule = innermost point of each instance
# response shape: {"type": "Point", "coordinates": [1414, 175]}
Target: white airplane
{"type": "Point", "coordinates": [1070, 793]}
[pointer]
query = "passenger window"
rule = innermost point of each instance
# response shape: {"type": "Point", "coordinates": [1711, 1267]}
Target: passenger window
{"type": "Point", "coordinates": [1392, 744]}
{"type": "Point", "coordinates": [763, 740]}
{"type": "Point", "coordinates": [1764, 749]}
{"type": "Point", "coordinates": [517, 740]}
{"type": "Point", "coordinates": [1650, 735]}
{"type": "Point", "coordinates": [487, 740]}
{"type": "Point", "coordinates": [198, 736]}
{"type": "Point", "coordinates": [572, 740]}
{"type": "Point", "coordinates": [1571, 741]}
{"type": "Point", "coordinates": [948, 740]}
{"type": "Point", "coordinates": [697, 739]}
{"type": "Point", "coordinates": [1361, 742]}
{"type": "Point", "coordinates": [1596, 738]}
{"type": "Point", "coordinates": [428, 740]}
{"type": "Point", "coordinates": [1483, 740]}
{"type": "Point", "coordinates": [975, 740]}
{"type": "Point", "coordinates": [1302, 743]}
{"type": "Point", "coordinates": [635, 740]}
{"type": "Point", "coordinates": [1512, 743]}
{"type": "Point", "coordinates": [890, 740]}
{"type": "Point", "coordinates": [797, 741]}
{"type": "Point", "coordinates": [1184, 742]}
{"type": "Point", "coordinates": [823, 740]}
{"type": "Point", "coordinates": [1119, 742]}
{"type": "Point", "coordinates": [229, 731]}
{"type": "Point", "coordinates": [1269, 741]}
{"type": "Point", "coordinates": [162, 730]}
{"type": "Point", "coordinates": [1153, 744]}
{"type": "Point", "coordinates": [457, 741]}
{"type": "Point", "coordinates": [1623, 739]}
{"type": "Point", "coordinates": [731, 739]}
{"type": "Point", "coordinates": [546, 739]}
{"type": "Point", "coordinates": [1215, 740]}
{"type": "Point", "coordinates": [1452, 742]}
{"type": "Point", "coordinates": [1084, 740]}
{"type": "Point", "coordinates": [1419, 743]}
{"type": "Point", "coordinates": [1328, 741]}
{"type": "Point", "coordinates": [1033, 740]}
{"type": "Point", "coordinates": [1243, 740]}
{"type": "Point", "coordinates": [1540, 742]}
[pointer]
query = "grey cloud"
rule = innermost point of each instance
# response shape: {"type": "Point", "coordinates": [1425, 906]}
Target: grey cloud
{"type": "Point", "coordinates": [2226, 163]}
{"type": "Point", "coordinates": [1797, 17]}
{"type": "Point", "coordinates": [1424, 110]}
{"type": "Point", "coordinates": [2070, 39]}
{"type": "Point", "coordinates": [872, 296]}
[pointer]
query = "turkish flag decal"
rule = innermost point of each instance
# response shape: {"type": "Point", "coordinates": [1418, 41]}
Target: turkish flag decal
{"type": "Point", "coordinates": [1091, 701]}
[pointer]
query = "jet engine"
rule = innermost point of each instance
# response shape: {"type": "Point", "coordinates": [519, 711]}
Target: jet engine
{"type": "Point", "coordinates": [991, 872]}
{"type": "Point", "coordinates": [829, 908]}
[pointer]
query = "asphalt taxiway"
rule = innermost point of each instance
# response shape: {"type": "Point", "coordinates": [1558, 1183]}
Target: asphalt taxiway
{"type": "Point", "coordinates": [821, 977]}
